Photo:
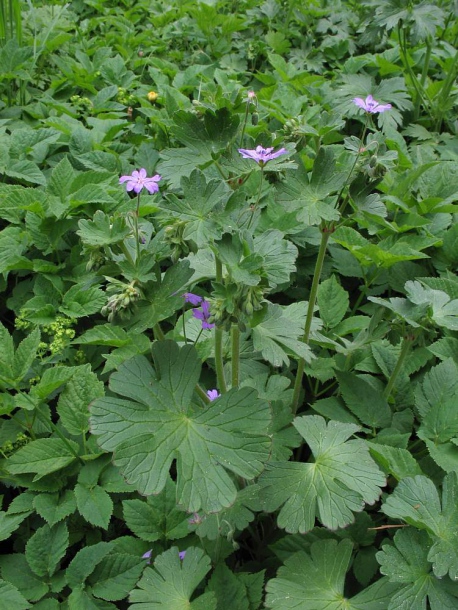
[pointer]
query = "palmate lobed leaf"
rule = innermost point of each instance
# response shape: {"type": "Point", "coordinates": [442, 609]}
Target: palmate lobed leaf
{"type": "Point", "coordinates": [339, 482]}
{"type": "Point", "coordinates": [161, 424]}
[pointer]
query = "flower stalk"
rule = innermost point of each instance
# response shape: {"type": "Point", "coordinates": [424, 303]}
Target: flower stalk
{"type": "Point", "coordinates": [235, 353]}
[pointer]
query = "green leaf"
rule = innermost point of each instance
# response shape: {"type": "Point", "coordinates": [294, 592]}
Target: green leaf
{"type": "Point", "coordinates": [61, 179]}
{"type": "Point", "coordinates": [279, 256]}
{"type": "Point", "coordinates": [416, 501]}
{"type": "Point", "coordinates": [85, 561]}
{"type": "Point", "coordinates": [94, 504]}
{"type": "Point", "coordinates": [200, 207]}
{"type": "Point", "coordinates": [332, 301]}
{"type": "Point", "coordinates": [11, 598]}
{"type": "Point", "coordinates": [54, 507]}
{"type": "Point", "coordinates": [43, 456]}
{"type": "Point", "coordinates": [316, 581]}
{"type": "Point", "coordinates": [115, 576]}
{"type": "Point", "coordinates": [105, 334]}
{"type": "Point", "coordinates": [407, 563]}
{"type": "Point", "coordinates": [10, 523]}
{"type": "Point", "coordinates": [46, 548]}
{"type": "Point", "coordinates": [74, 401]}
{"type": "Point", "coordinates": [160, 424]}
{"type": "Point", "coordinates": [339, 482]}
{"type": "Point", "coordinates": [25, 355]}
{"type": "Point", "coordinates": [51, 380]}
{"type": "Point", "coordinates": [395, 461]}
{"type": "Point", "coordinates": [6, 353]}
{"type": "Point", "coordinates": [227, 586]}
{"type": "Point", "coordinates": [281, 330]}
{"type": "Point", "coordinates": [79, 301]}
{"type": "Point", "coordinates": [363, 400]}
{"type": "Point", "coordinates": [103, 230]}
{"type": "Point", "coordinates": [172, 582]}
{"type": "Point", "coordinates": [157, 518]}
{"type": "Point", "coordinates": [16, 571]}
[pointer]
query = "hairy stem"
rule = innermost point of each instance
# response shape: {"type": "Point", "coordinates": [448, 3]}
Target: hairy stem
{"type": "Point", "coordinates": [407, 343]}
{"type": "Point", "coordinates": [235, 348]}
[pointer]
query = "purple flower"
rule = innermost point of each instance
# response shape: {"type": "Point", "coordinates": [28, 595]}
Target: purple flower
{"type": "Point", "coordinates": [370, 105]}
{"type": "Point", "coordinates": [181, 555]}
{"type": "Point", "coordinates": [262, 155]}
{"type": "Point", "coordinates": [138, 180]}
{"type": "Point", "coordinates": [203, 314]}
{"type": "Point", "coordinates": [194, 299]}
{"type": "Point", "coordinates": [213, 394]}
{"type": "Point", "coordinates": [147, 555]}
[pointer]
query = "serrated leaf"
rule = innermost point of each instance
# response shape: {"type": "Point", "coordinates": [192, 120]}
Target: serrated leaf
{"type": "Point", "coordinates": [339, 482]}
{"type": "Point", "coordinates": [25, 355]}
{"type": "Point", "coordinates": [10, 523]}
{"type": "Point", "coordinates": [105, 334]}
{"type": "Point", "coordinates": [10, 597]}
{"type": "Point", "coordinates": [394, 460]}
{"type": "Point", "coordinates": [43, 456]}
{"type": "Point", "coordinates": [54, 507]}
{"type": "Point", "coordinates": [74, 401]}
{"type": "Point", "coordinates": [85, 561]}
{"type": "Point", "coordinates": [115, 576]}
{"type": "Point", "coordinates": [81, 301]}
{"type": "Point", "coordinates": [369, 406]}
{"type": "Point", "coordinates": [16, 571]}
{"type": "Point", "coordinates": [160, 424]}
{"type": "Point", "coordinates": [94, 504]}
{"type": "Point", "coordinates": [416, 501]}
{"type": "Point", "coordinates": [61, 179]}
{"type": "Point", "coordinates": [227, 587]}
{"type": "Point", "coordinates": [316, 581]}
{"type": "Point", "coordinates": [157, 518]}
{"type": "Point", "coordinates": [46, 548]}
{"type": "Point", "coordinates": [332, 301]}
{"type": "Point", "coordinates": [407, 562]}
{"type": "Point", "coordinates": [170, 584]}
{"type": "Point", "coordinates": [51, 380]}
{"type": "Point", "coordinates": [103, 230]}
{"type": "Point", "coordinates": [279, 256]}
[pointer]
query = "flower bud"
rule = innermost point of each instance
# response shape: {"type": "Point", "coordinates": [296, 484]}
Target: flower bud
{"type": "Point", "coordinates": [152, 96]}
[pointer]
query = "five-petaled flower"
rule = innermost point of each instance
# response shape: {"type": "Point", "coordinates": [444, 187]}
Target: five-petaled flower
{"type": "Point", "coordinates": [147, 555]}
{"type": "Point", "coordinates": [192, 298]}
{"type": "Point", "coordinates": [370, 105]}
{"type": "Point", "coordinates": [203, 314]}
{"type": "Point", "coordinates": [213, 394]}
{"type": "Point", "coordinates": [262, 155]}
{"type": "Point", "coordinates": [139, 180]}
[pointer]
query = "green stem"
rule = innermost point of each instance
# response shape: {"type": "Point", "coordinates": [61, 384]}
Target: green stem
{"type": "Point", "coordinates": [446, 88]}
{"type": "Point", "coordinates": [406, 345]}
{"type": "Point", "coordinates": [325, 234]}
{"type": "Point", "coordinates": [202, 393]}
{"type": "Point", "coordinates": [60, 435]}
{"type": "Point", "coordinates": [158, 334]}
{"type": "Point", "coordinates": [419, 90]}
{"type": "Point", "coordinates": [253, 208]}
{"type": "Point", "coordinates": [219, 363]}
{"type": "Point", "coordinates": [137, 236]}
{"type": "Point", "coordinates": [235, 348]}
{"type": "Point", "coordinates": [245, 120]}
{"type": "Point", "coordinates": [125, 251]}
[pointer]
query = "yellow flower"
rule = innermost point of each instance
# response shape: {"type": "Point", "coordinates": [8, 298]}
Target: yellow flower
{"type": "Point", "coordinates": [152, 96]}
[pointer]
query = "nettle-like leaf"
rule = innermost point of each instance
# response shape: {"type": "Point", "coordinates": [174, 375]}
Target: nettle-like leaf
{"type": "Point", "coordinates": [340, 481]}
{"type": "Point", "coordinates": [332, 301]}
{"type": "Point", "coordinates": [316, 580]}
{"type": "Point", "coordinates": [416, 501]}
{"type": "Point", "coordinates": [406, 563]}
{"type": "Point", "coordinates": [160, 424]}
{"type": "Point", "coordinates": [171, 582]}
{"type": "Point", "coordinates": [46, 548]}
{"type": "Point", "coordinates": [363, 400]}
{"type": "Point", "coordinates": [103, 230]}
{"type": "Point", "coordinates": [200, 207]}
{"type": "Point", "coordinates": [74, 401]}
{"type": "Point", "coordinates": [43, 456]}
{"type": "Point", "coordinates": [11, 597]}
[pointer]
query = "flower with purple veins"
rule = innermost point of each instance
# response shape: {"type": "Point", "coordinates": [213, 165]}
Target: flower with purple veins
{"type": "Point", "coordinates": [370, 105]}
{"type": "Point", "coordinates": [203, 314]}
{"type": "Point", "coordinates": [213, 394]}
{"type": "Point", "coordinates": [262, 155]}
{"type": "Point", "coordinates": [139, 180]}
{"type": "Point", "coordinates": [194, 299]}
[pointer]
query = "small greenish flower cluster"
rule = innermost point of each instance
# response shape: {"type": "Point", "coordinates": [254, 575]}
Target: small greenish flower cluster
{"type": "Point", "coordinates": [124, 299]}
{"type": "Point", "coordinates": [9, 447]}
{"type": "Point", "coordinates": [97, 258]}
{"type": "Point", "coordinates": [173, 235]}
{"type": "Point", "coordinates": [125, 98]}
{"type": "Point", "coordinates": [82, 104]}
{"type": "Point", "coordinates": [234, 303]}
{"type": "Point", "coordinates": [61, 333]}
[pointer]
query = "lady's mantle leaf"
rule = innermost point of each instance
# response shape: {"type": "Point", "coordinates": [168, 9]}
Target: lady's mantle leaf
{"type": "Point", "coordinates": [339, 482]}
{"type": "Point", "coordinates": [316, 582]}
{"type": "Point", "coordinates": [170, 585]}
{"type": "Point", "coordinates": [161, 424]}
{"type": "Point", "coordinates": [407, 562]}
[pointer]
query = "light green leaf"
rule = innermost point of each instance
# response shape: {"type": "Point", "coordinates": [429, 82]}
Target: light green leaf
{"type": "Point", "coordinates": [105, 334]}
{"type": "Point", "coordinates": [279, 256]}
{"type": "Point", "coordinates": [160, 424]}
{"type": "Point", "coordinates": [54, 507]}
{"type": "Point", "coordinates": [407, 563]}
{"type": "Point", "coordinates": [339, 482]}
{"type": "Point", "coordinates": [11, 598]}
{"type": "Point", "coordinates": [80, 301]}
{"type": "Point", "coordinates": [157, 518]}
{"type": "Point", "coordinates": [363, 400]}
{"type": "Point", "coordinates": [115, 576]}
{"type": "Point", "coordinates": [25, 355]}
{"type": "Point", "coordinates": [46, 548]}
{"type": "Point", "coordinates": [6, 353]}
{"type": "Point", "coordinates": [103, 230]}
{"type": "Point", "coordinates": [172, 582]}
{"type": "Point", "coordinates": [94, 504]}
{"type": "Point", "coordinates": [227, 586]}
{"type": "Point", "coordinates": [74, 401]}
{"type": "Point", "coordinates": [10, 523]}
{"type": "Point", "coordinates": [332, 301]}
{"type": "Point", "coordinates": [416, 501]}
{"type": "Point", "coordinates": [394, 460]}
{"type": "Point", "coordinates": [51, 380]}
{"type": "Point", "coordinates": [43, 456]}
{"type": "Point", "coordinates": [85, 561]}
{"type": "Point", "coordinates": [61, 179]}
{"type": "Point", "coordinates": [16, 571]}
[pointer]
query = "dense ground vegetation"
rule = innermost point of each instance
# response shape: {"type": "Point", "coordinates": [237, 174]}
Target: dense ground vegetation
{"type": "Point", "coordinates": [229, 313]}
